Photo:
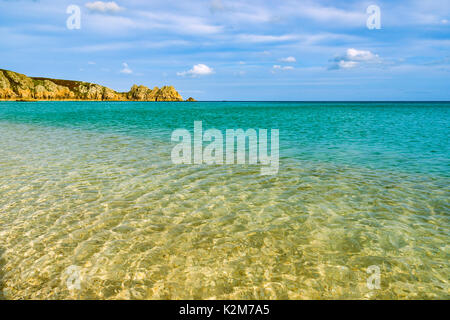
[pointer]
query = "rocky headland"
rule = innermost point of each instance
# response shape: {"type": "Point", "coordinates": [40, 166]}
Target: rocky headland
{"type": "Point", "coordinates": [18, 87]}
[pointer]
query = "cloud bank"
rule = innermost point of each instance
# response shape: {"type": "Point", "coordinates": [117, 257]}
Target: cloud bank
{"type": "Point", "coordinates": [197, 70]}
{"type": "Point", "coordinates": [126, 69]}
{"type": "Point", "coordinates": [103, 7]}
{"type": "Point", "coordinates": [354, 58]}
{"type": "Point", "coordinates": [288, 59]}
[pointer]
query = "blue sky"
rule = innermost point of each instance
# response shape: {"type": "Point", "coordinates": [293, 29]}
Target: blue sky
{"type": "Point", "coordinates": [237, 50]}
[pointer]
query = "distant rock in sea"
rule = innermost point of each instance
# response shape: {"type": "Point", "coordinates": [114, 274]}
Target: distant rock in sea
{"type": "Point", "coordinates": [190, 99]}
{"type": "Point", "coordinates": [19, 87]}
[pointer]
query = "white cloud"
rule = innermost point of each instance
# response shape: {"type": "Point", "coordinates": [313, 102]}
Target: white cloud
{"type": "Point", "coordinates": [178, 23]}
{"type": "Point", "coordinates": [258, 38]}
{"type": "Point", "coordinates": [347, 64]}
{"type": "Point", "coordinates": [288, 59]}
{"type": "Point", "coordinates": [354, 58]}
{"type": "Point", "coordinates": [109, 46]}
{"type": "Point", "coordinates": [360, 55]}
{"type": "Point", "coordinates": [126, 69]}
{"type": "Point", "coordinates": [281, 68]}
{"type": "Point", "coordinates": [100, 6]}
{"type": "Point", "coordinates": [197, 70]}
{"type": "Point", "coordinates": [325, 14]}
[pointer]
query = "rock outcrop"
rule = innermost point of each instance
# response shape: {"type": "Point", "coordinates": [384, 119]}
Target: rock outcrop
{"type": "Point", "coordinates": [16, 86]}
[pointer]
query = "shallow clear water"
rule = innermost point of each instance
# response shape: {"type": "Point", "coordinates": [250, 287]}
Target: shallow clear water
{"type": "Point", "coordinates": [91, 185]}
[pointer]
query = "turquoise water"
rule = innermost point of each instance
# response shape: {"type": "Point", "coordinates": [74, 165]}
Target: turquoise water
{"type": "Point", "coordinates": [92, 185]}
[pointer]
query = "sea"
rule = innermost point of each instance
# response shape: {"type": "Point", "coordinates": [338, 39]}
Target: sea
{"type": "Point", "coordinates": [92, 205]}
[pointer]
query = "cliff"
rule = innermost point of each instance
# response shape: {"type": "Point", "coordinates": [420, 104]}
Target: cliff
{"type": "Point", "coordinates": [16, 86]}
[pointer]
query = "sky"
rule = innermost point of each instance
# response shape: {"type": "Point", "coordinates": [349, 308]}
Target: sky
{"type": "Point", "coordinates": [290, 50]}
